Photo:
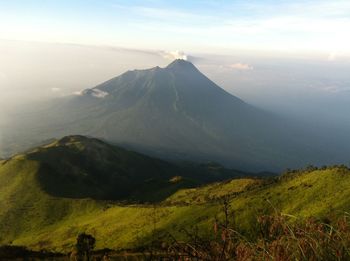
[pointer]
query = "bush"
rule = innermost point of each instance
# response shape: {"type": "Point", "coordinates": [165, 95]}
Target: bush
{"type": "Point", "coordinates": [84, 246]}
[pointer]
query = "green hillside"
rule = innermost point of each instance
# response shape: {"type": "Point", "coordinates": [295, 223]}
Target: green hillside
{"type": "Point", "coordinates": [33, 213]}
{"type": "Point", "coordinates": [80, 167]}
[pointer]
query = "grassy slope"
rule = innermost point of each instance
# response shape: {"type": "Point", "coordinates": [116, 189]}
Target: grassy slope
{"type": "Point", "coordinates": [29, 216]}
{"type": "Point", "coordinates": [212, 192]}
{"type": "Point", "coordinates": [80, 167]}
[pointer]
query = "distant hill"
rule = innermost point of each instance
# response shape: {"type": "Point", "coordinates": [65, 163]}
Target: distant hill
{"type": "Point", "coordinates": [52, 193]}
{"type": "Point", "coordinates": [81, 167]}
{"type": "Point", "coordinates": [176, 113]}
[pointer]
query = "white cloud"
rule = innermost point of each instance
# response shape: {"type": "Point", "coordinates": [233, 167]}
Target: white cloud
{"type": "Point", "coordinates": [301, 25]}
{"type": "Point", "coordinates": [335, 89]}
{"type": "Point", "coordinates": [282, 30]}
{"type": "Point", "coordinates": [240, 66]}
{"type": "Point", "coordinates": [55, 89]}
{"type": "Point", "coordinates": [79, 93]}
{"type": "Point", "coordinates": [98, 93]}
{"type": "Point", "coordinates": [172, 55]}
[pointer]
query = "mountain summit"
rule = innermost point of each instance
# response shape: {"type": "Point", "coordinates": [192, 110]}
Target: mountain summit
{"type": "Point", "coordinates": [180, 64]}
{"type": "Point", "coordinates": [178, 113]}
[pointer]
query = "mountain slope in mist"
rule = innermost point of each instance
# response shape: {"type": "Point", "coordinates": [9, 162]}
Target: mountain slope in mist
{"type": "Point", "coordinates": [176, 112]}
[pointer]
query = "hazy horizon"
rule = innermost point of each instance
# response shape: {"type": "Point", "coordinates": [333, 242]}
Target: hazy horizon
{"type": "Point", "coordinates": [295, 85]}
{"type": "Point", "coordinates": [291, 58]}
{"type": "Point", "coordinates": [292, 51]}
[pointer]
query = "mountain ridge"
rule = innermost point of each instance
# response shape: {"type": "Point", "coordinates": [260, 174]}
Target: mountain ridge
{"type": "Point", "coordinates": [174, 96]}
{"type": "Point", "coordinates": [177, 113]}
{"type": "Point", "coordinates": [76, 166]}
{"type": "Point", "coordinates": [32, 216]}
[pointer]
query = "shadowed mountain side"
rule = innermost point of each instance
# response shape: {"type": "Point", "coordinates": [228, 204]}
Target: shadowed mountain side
{"type": "Point", "coordinates": [178, 113]}
{"type": "Point", "coordinates": [78, 167]}
{"type": "Point", "coordinates": [30, 214]}
{"type": "Point", "coordinates": [81, 167]}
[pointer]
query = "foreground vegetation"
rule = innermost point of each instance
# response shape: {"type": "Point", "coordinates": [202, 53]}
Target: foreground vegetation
{"type": "Point", "coordinates": [34, 217]}
{"type": "Point", "coordinates": [279, 237]}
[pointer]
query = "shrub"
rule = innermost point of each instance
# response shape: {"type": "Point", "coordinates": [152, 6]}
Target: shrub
{"type": "Point", "coordinates": [85, 244]}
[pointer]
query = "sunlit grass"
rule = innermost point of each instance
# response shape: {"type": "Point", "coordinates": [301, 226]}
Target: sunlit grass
{"type": "Point", "coordinates": [29, 216]}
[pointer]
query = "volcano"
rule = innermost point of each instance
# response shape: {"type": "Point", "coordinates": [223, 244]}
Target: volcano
{"type": "Point", "coordinates": [178, 113]}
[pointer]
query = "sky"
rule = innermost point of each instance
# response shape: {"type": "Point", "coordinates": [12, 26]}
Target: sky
{"type": "Point", "coordinates": [290, 56]}
{"type": "Point", "coordinates": [221, 26]}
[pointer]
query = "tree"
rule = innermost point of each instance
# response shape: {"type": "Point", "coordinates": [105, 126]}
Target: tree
{"type": "Point", "coordinates": [85, 244]}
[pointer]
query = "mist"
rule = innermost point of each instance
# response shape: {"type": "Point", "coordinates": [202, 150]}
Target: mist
{"type": "Point", "coordinates": [309, 88]}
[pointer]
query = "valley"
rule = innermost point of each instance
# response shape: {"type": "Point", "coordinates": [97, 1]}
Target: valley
{"type": "Point", "coordinates": [40, 215]}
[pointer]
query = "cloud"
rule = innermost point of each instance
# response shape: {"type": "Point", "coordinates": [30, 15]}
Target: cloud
{"type": "Point", "coordinates": [79, 93]}
{"type": "Point", "coordinates": [97, 93]}
{"type": "Point", "coordinates": [240, 66]}
{"type": "Point", "coordinates": [55, 89]}
{"type": "Point", "coordinates": [172, 55]}
{"type": "Point", "coordinates": [157, 13]}
{"type": "Point", "coordinates": [335, 89]}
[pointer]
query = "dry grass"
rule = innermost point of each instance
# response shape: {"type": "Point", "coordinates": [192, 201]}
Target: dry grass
{"type": "Point", "coordinates": [280, 238]}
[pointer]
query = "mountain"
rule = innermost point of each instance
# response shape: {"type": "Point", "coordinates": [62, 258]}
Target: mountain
{"type": "Point", "coordinates": [71, 178]}
{"type": "Point", "coordinates": [54, 192]}
{"type": "Point", "coordinates": [82, 167]}
{"type": "Point", "coordinates": [177, 113]}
